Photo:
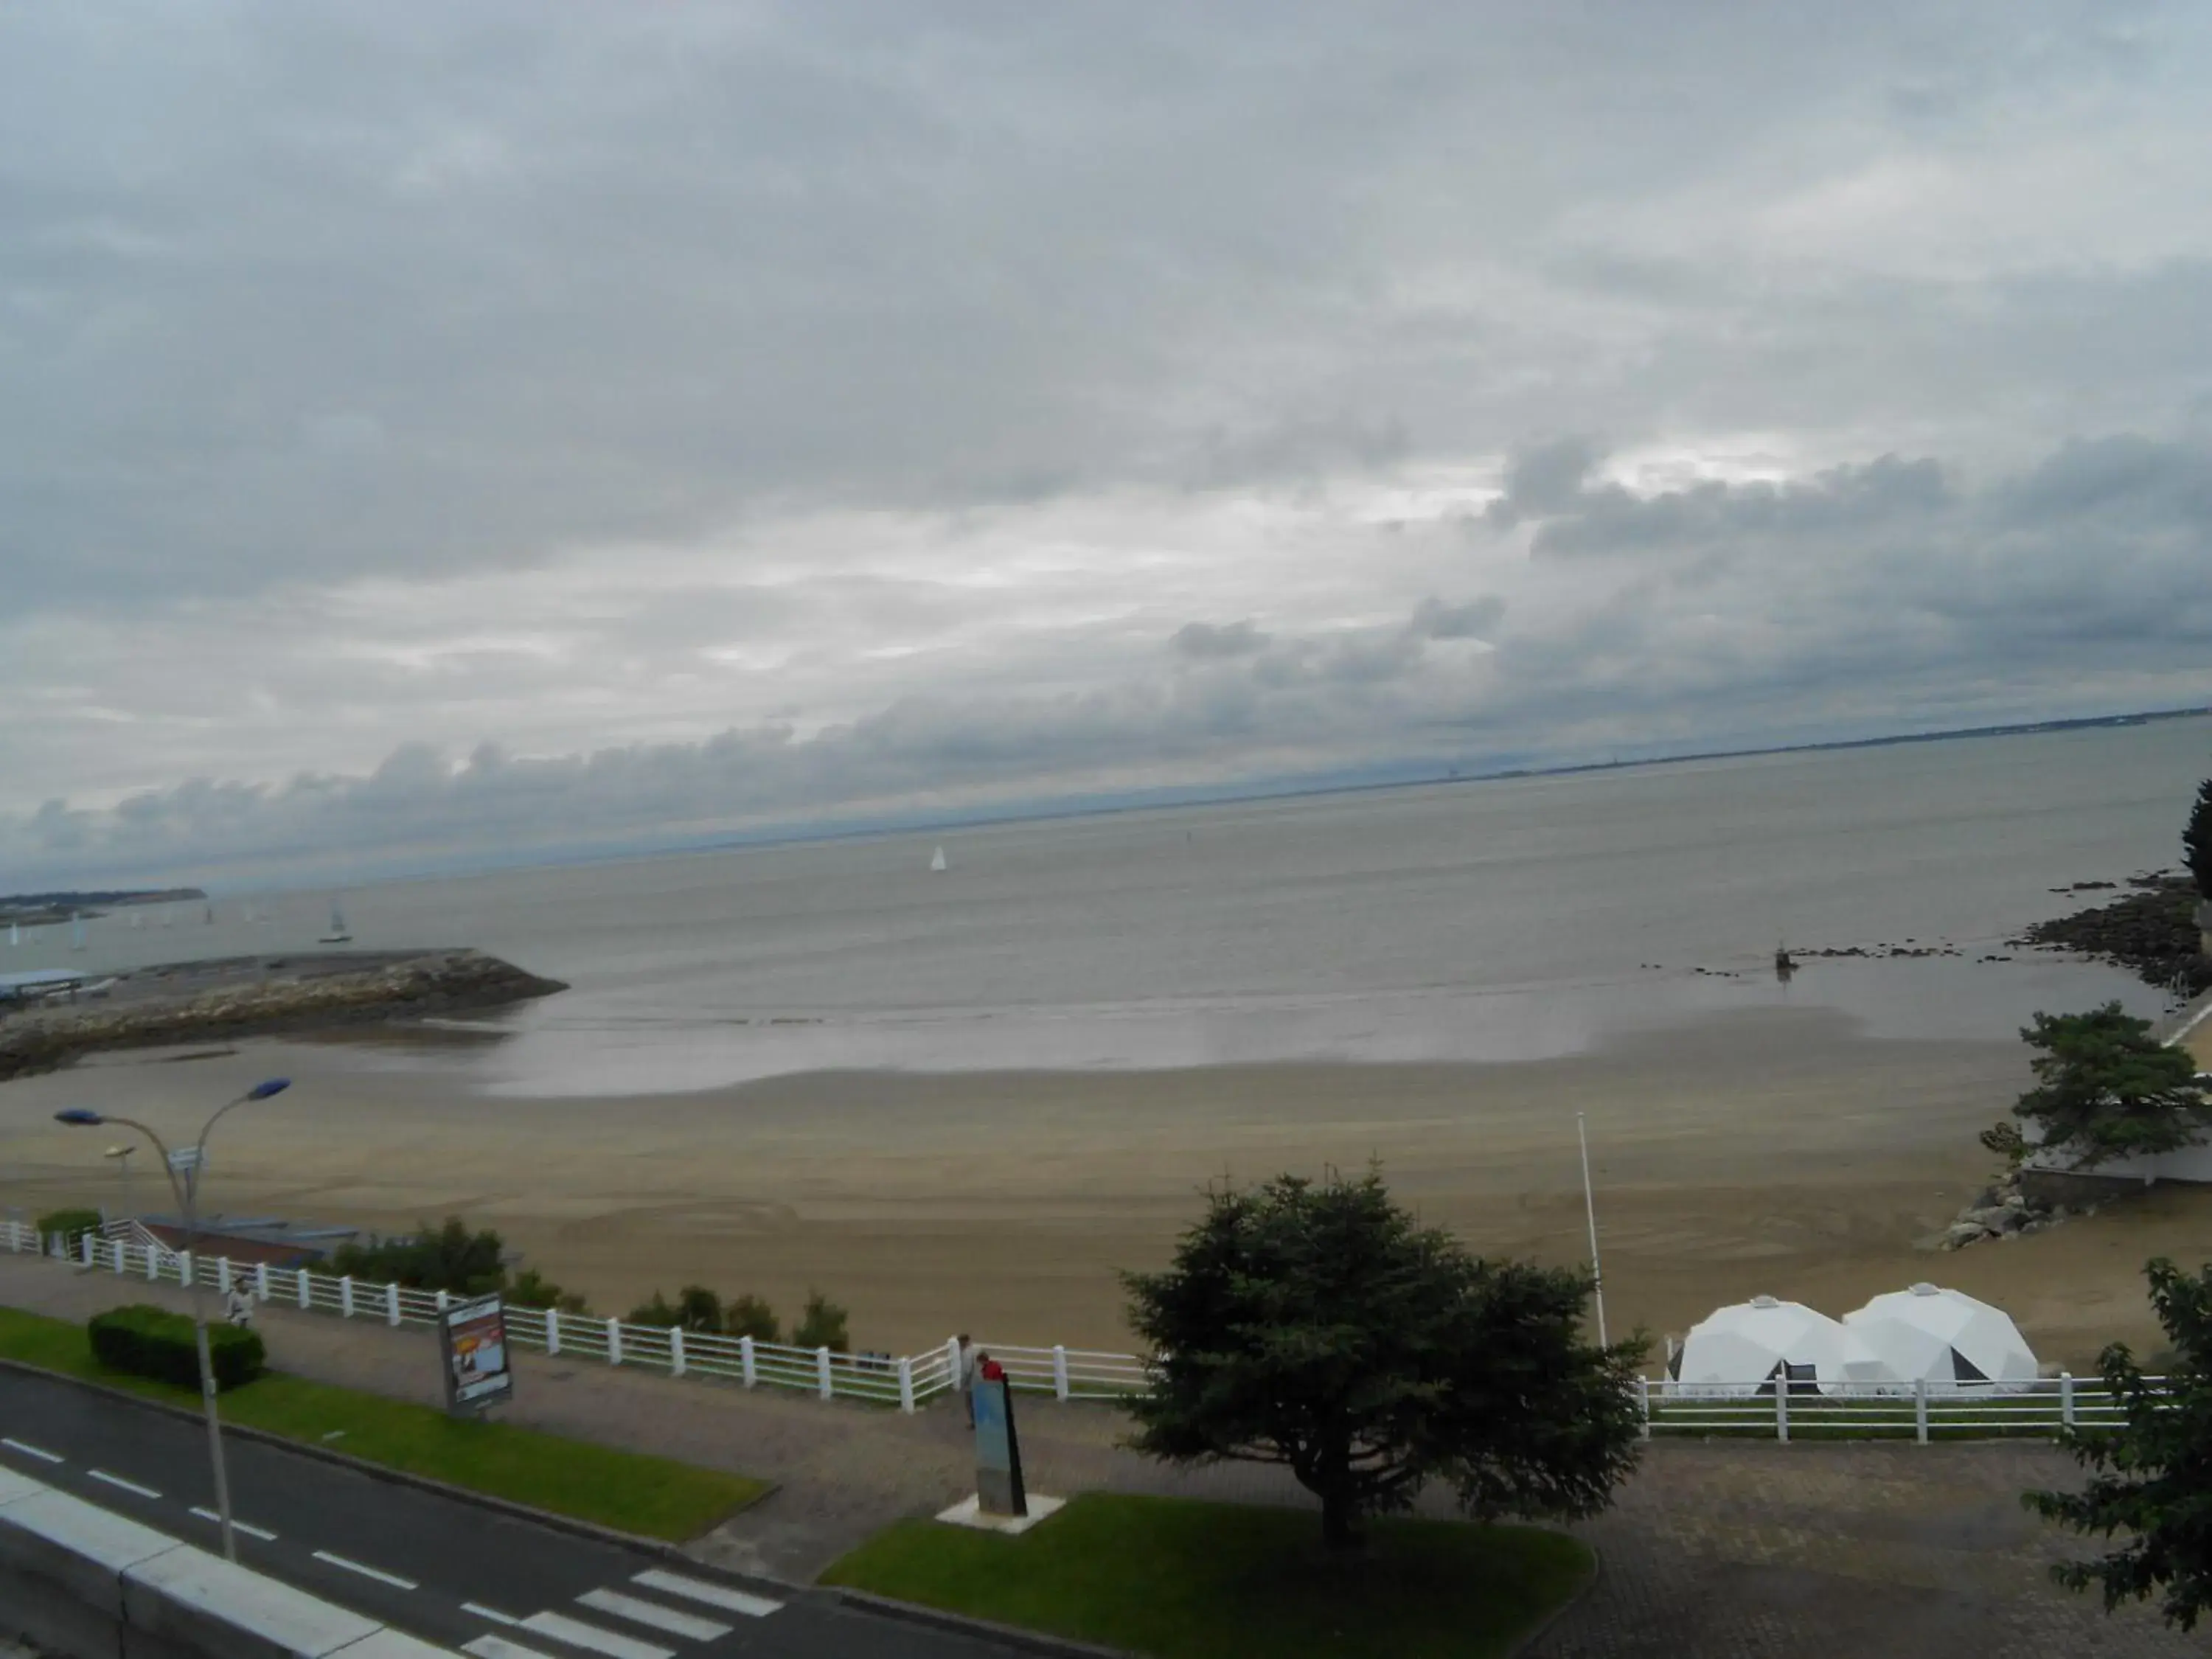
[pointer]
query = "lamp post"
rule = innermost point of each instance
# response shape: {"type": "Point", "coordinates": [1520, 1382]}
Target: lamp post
{"type": "Point", "coordinates": [184, 1168]}
{"type": "Point", "coordinates": [122, 1156]}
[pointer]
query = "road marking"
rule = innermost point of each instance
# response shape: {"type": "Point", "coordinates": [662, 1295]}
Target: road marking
{"type": "Point", "coordinates": [381, 1577]}
{"type": "Point", "coordinates": [492, 1613]}
{"type": "Point", "coordinates": [39, 1452]}
{"type": "Point", "coordinates": [237, 1525]}
{"type": "Point", "coordinates": [652, 1615]}
{"type": "Point", "coordinates": [715, 1595]}
{"type": "Point", "coordinates": [118, 1480]}
{"type": "Point", "coordinates": [578, 1634]}
{"type": "Point", "coordinates": [498, 1647]}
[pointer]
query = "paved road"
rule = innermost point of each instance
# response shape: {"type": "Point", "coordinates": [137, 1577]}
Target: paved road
{"type": "Point", "coordinates": [490, 1585]}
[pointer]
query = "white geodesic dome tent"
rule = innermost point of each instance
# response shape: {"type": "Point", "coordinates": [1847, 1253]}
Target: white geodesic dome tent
{"type": "Point", "coordinates": [1945, 1337]}
{"type": "Point", "coordinates": [1741, 1349]}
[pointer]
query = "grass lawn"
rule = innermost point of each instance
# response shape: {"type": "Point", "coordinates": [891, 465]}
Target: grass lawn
{"type": "Point", "coordinates": [651, 1496]}
{"type": "Point", "coordinates": [1180, 1579]}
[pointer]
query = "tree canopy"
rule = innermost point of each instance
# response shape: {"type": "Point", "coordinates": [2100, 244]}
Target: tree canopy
{"type": "Point", "coordinates": [1318, 1327]}
{"type": "Point", "coordinates": [2105, 1088]}
{"type": "Point", "coordinates": [2197, 841]}
{"type": "Point", "coordinates": [2152, 1476]}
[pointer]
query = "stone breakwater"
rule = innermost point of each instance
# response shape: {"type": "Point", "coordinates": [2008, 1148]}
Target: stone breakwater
{"type": "Point", "coordinates": [259, 996]}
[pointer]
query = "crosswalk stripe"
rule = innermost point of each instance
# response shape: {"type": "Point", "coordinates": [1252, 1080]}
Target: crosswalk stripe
{"type": "Point", "coordinates": [39, 1452]}
{"type": "Point", "coordinates": [578, 1634]}
{"type": "Point", "coordinates": [492, 1613]}
{"type": "Point", "coordinates": [652, 1615]}
{"type": "Point", "coordinates": [498, 1647]}
{"type": "Point", "coordinates": [715, 1595]}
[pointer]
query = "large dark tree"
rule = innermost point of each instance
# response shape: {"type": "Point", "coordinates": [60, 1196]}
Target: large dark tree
{"type": "Point", "coordinates": [2197, 841]}
{"type": "Point", "coordinates": [2151, 1477]}
{"type": "Point", "coordinates": [1317, 1326]}
{"type": "Point", "coordinates": [2105, 1088]}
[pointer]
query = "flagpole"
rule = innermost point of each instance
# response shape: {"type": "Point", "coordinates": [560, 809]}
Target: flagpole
{"type": "Point", "coordinates": [1589, 1208]}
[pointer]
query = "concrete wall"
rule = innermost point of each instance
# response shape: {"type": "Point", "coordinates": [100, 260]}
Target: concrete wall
{"type": "Point", "coordinates": [78, 1580]}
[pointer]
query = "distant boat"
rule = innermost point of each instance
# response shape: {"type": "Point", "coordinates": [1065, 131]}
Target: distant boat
{"type": "Point", "coordinates": [936, 861]}
{"type": "Point", "coordinates": [339, 934]}
{"type": "Point", "coordinates": [209, 918]}
{"type": "Point", "coordinates": [15, 933]}
{"type": "Point", "coordinates": [76, 930]}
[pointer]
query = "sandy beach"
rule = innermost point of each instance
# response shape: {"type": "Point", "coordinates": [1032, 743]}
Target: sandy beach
{"type": "Point", "coordinates": [1767, 1151]}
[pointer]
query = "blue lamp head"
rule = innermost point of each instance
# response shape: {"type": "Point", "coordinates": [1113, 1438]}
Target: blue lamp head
{"type": "Point", "coordinates": [78, 1116]}
{"type": "Point", "coordinates": [275, 1085]}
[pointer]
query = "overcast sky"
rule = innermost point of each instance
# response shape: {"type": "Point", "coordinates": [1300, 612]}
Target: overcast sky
{"type": "Point", "coordinates": [434, 432]}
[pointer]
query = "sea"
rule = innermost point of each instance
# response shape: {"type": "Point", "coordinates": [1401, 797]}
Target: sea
{"type": "Point", "coordinates": [1496, 920]}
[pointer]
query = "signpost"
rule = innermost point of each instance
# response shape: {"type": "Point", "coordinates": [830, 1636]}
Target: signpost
{"type": "Point", "coordinates": [472, 1338]}
{"type": "Point", "coordinates": [998, 1448]}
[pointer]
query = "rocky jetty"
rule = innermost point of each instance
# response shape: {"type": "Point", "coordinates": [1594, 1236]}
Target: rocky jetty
{"type": "Point", "coordinates": [195, 1002]}
{"type": "Point", "coordinates": [2151, 930]}
{"type": "Point", "coordinates": [2001, 1210]}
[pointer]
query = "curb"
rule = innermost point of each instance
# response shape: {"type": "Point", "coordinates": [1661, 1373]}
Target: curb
{"type": "Point", "coordinates": [1529, 1643]}
{"type": "Point", "coordinates": [959, 1624]}
{"type": "Point", "coordinates": [672, 1552]}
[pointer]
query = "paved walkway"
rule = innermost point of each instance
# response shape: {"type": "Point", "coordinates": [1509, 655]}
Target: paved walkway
{"type": "Point", "coordinates": [1721, 1550]}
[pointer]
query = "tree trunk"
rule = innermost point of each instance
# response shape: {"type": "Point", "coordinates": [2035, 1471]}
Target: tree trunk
{"type": "Point", "coordinates": [1340, 1519]}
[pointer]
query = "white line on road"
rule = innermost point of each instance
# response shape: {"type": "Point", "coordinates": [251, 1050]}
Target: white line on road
{"type": "Point", "coordinates": [578, 1634]}
{"type": "Point", "coordinates": [39, 1452]}
{"type": "Point", "coordinates": [381, 1577]}
{"type": "Point", "coordinates": [653, 1615]}
{"type": "Point", "coordinates": [237, 1525]}
{"type": "Point", "coordinates": [118, 1480]}
{"type": "Point", "coordinates": [498, 1647]}
{"type": "Point", "coordinates": [715, 1595]}
{"type": "Point", "coordinates": [492, 1613]}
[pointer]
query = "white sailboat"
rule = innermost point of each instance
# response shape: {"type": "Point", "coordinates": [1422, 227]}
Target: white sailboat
{"type": "Point", "coordinates": [15, 933]}
{"type": "Point", "coordinates": [339, 934]}
{"type": "Point", "coordinates": [76, 930]}
{"type": "Point", "coordinates": [936, 861]}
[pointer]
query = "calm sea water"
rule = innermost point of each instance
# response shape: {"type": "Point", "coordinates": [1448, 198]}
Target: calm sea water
{"type": "Point", "coordinates": [1504, 920]}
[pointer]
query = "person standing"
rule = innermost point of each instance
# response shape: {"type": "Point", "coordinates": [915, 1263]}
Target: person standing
{"type": "Point", "coordinates": [965, 1381]}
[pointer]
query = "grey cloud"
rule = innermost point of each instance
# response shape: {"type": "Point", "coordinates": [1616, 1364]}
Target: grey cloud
{"type": "Point", "coordinates": [1545, 479]}
{"type": "Point", "coordinates": [1208, 641]}
{"type": "Point", "coordinates": [1476, 620]}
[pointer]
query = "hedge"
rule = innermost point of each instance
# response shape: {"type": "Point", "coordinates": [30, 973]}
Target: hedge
{"type": "Point", "coordinates": [149, 1342]}
{"type": "Point", "coordinates": [73, 1224]}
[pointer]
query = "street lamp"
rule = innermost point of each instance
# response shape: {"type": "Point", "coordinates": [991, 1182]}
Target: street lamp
{"type": "Point", "coordinates": [184, 1168]}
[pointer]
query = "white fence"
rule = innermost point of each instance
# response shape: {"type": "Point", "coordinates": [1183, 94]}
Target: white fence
{"type": "Point", "coordinates": [129, 1251]}
{"type": "Point", "coordinates": [1923, 1413]}
{"type": "Point", "coordinates": [1920, 1411]}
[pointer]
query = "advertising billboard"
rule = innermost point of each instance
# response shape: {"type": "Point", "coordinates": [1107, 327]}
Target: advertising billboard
{"type": "Point", "coordinates": [473, 1337]}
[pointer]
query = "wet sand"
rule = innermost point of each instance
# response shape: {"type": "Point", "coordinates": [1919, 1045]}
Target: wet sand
{"type": "Point", "coordinates": [1770, 1151]}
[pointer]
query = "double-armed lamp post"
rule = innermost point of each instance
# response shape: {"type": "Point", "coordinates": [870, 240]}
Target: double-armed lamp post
{"type": "Point", "coordinates": [184, 1168]}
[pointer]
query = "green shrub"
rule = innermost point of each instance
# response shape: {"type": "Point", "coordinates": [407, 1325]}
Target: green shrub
{"type": "Point", "coordinates": [72, 1225]}
{"type": "Point", "coordinates": [823, 1326]}
{"type": "Point", "coordinates": [532, 1289]}
{"type": "Point", "coordinates": [658, 1312]}
{"type": "Point", "coordinates": [149, 1341]}
{"type": "Point", "coordinates": [447, 1258]}
{"type": "Point", "coordinates": [751, 1316]}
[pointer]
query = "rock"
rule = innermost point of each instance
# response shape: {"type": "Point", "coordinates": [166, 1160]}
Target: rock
{"type": "Point", "coordinates": [1986, 1198]}
{"type": "Point", "coordinates": [1962, 1233]}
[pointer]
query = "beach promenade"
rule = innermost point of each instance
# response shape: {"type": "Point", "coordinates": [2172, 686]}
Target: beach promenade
{"type": "Point", "coordinates": [1717, 1548]}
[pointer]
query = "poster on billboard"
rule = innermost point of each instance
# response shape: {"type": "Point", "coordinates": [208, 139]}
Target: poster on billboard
{"type": "Point", "coordinates": [473, 1336]}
